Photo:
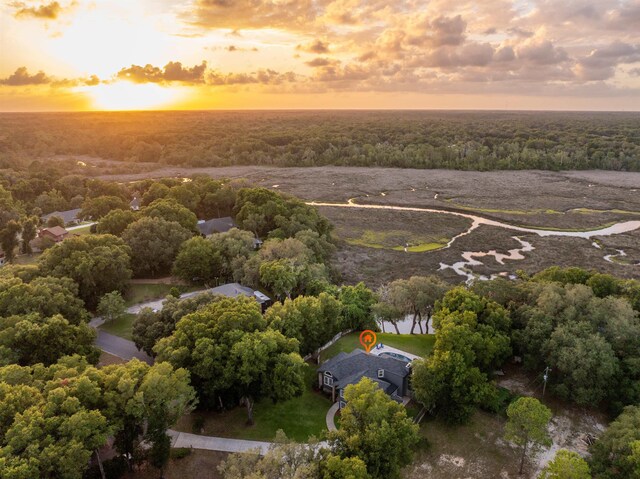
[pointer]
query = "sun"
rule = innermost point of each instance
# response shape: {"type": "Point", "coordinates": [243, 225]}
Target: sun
{"type": "Point", "coordinates": [123, 95]}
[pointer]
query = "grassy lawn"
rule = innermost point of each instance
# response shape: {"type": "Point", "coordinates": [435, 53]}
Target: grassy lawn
{"type": "Point", "coordinates": [122, 327]}
{"type": "Point", "coordinates": [299, 417]}
{"type": "Point", "coordinates": [85, 230]}
{"type": "Point", "coordinates": [141, 293]}
{"type": "Point", "coordinates": [418, 344]}
{"type": "Point", "coordinates": [396, 239]}
{"type": "Point", "coordinates": [27, 258]}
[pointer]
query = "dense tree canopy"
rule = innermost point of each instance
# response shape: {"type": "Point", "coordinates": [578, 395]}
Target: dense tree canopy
{"type": "Point", "coordinates": [96, 208]}
{"type": "Point", "coordinates": [311, 320]}
{"type": "Point", "coordinates": [198, 261]}
{"type": "Point", "coordinates": [116, 221]}
{"type": "Point", "coordinates": [154, 244]}
{"type": "Point", "coordinates": [149, 326]}
{"type": "Point", "coordinates": [99, 264]}
{"type": "Point", "coordinates": [615, 453]}
{"type": "Point", "coordinates": [171, 210]}
{"type": "Point", "coordinates": [46, 296]}
{"type": "Point", "coordinates": [408, 139]}
{"type": "Point", "coordinates": [230, 354]}
{"type": "Point", "coordinates": [31, 339]}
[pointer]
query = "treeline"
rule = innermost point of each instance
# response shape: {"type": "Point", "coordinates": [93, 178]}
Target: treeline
{"type": "Point", "coordinates": [407, 139]}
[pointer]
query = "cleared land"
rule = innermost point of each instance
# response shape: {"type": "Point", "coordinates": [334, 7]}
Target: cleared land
{"type": "Point", "coordinates": [479, 450]}
{"type": "Point", "coordinates": [372, 242]}
{"type": "Point", "coordinates": [200, 464]}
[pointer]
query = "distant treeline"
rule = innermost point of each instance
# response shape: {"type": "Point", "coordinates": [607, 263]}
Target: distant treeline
{"type": "Point", "coordinates": [408, 139]}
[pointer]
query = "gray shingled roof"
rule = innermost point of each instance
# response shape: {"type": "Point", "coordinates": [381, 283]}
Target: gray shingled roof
{"type": "Point", "coordinates": [357, 362]}
{"type": "Point", "coordinates": [216, 225]}
{"type": "Point", "coordinates": [67, 216]}
{"type": "Point", "coordinates": [231, 290]}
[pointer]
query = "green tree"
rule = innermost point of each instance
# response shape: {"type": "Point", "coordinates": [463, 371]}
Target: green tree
{"type": "Point", "coordinates": [112, 307]}
{"type": "Point", "coordinates": [527, 425]}
{"type": "Point", "coordinates": [154, 243]}
{"type": "Point", "coordinates": [171, 210]}
{"type": "Point", "coordinates": [229, 354]}
{"type": "Point", "coordinates": [311, 320]}
{"type": "Point", "coordinates": [357, 303]}
{"type": "Point", "coordinates": [615, 453]}
{"type": "Point", "coordinates": [157, 191]}
{"type": "Point", "coordinates": [448, 386]}
{"type": "Point", "coordinates": [336, 467]}
{"type": "Point", "coordinates": [149, 326]}
{"type": "Point", "coordinates": [46, 296]}
{"type": "Point", "coordinates": [116, 221]}
{"type": "Point", "coordinates": [55, 221]}
{"type": "Point", "coordinates": [585, 361]}
{"type": "Point", "coordinates": [376, 429]}
{"type": "Point", "coordinates": [566, 465]}
{"type": "Point", "coordinates": [234, 247]}
{"type": "Point", "coordinates": [32, 339]}
{"type": "Point", "coordinates": [198, 261]}
{"type": "Point", "coordinates": [280, 276]}
{"type": "Point", "coordinates": [98, 207]}
{"type": "Point", "coordinates": [9, 239]}
{"type": "Point", "coordinates": [265, 364]}
{"type": "Point", "coordinates": [99, 264]}
{"type": "Point", "coordinates": [50, 201]}
{"type": "Point", "coordinates": [29, 232]}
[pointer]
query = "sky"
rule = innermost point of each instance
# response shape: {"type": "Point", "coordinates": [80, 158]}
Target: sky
{"type": "Point", "coordinates": [68, 55]}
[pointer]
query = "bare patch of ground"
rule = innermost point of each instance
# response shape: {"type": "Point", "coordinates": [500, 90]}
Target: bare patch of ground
{"type": "Point", "coordinates": [478, 450]}
{"type": "Point", "coordinates": [107, 359]}
{"type": "Point", "coordinates": [200, 464]}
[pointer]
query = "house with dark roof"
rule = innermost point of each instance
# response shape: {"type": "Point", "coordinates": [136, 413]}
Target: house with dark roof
{"type": "Point", "coordinates": [231, 290]}
{"type": "Point", "coordinates": [391, 375]}
{"type": "Point", "coordinates": [216, 225]}
{"type": "Point", "coordinates": [70, 217]}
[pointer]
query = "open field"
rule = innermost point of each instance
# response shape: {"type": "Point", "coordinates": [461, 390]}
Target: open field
{"type": "Point", "coordinates": [371, 242]}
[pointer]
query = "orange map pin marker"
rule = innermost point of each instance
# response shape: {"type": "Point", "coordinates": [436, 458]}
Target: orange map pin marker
{"type": "Point", "coordinates": [368, 339]}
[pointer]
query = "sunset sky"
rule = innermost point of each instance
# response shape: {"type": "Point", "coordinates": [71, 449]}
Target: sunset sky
{"type": "Point", "coordinates": [210, 54]}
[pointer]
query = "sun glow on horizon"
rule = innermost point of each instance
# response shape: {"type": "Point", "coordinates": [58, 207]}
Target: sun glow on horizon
{"type": "Point", "coordinates": [124, 95]}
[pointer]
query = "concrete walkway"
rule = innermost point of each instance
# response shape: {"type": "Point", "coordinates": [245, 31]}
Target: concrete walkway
{"type": "Point", "coordinates": [331, 415]}
{"type": "Point", "coordinates": [210, 443]}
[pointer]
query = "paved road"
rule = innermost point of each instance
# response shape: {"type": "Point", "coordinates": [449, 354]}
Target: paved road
{"type": "Point", "coordinates": [120, 347]}
{"type": "Point", "coordinates": [156, 305]}
{"type": "Point", "coordinates": [210, 443]}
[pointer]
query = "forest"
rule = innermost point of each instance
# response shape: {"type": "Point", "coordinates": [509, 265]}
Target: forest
{"type": "Point", "coordinates": [408, 139]}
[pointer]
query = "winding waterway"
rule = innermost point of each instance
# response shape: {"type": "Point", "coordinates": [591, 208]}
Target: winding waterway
{"type": "Point", "coordinates": [618, 228]}
{"type": "Point", "coordinates": [470, 257]}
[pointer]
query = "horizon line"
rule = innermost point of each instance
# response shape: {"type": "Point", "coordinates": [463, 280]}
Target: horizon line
{"type": "Point", "coordinates": [177, 110]}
